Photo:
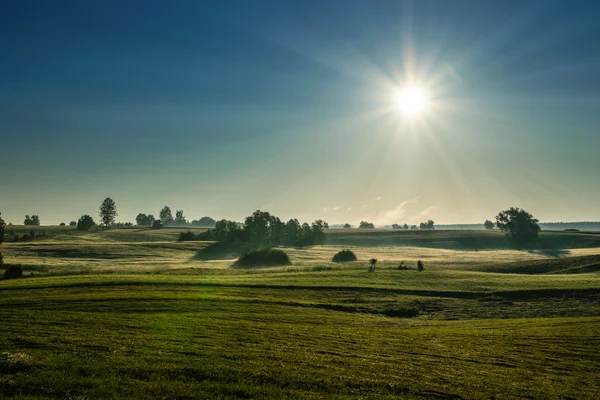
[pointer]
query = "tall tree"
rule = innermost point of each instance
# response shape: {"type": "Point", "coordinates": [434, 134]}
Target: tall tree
{"type": "Point", "coordinates": [108, 211]}
{"type": "Point", "coordinates": [489, 225]}
{"type": "Point", "coordinates": [519, 225]}
{"type": "Point", "coordinates": [179, 218]}
{"type": "Point", "coordinates": [166, 216]}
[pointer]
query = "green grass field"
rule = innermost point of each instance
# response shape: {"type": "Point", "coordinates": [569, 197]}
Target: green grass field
{"type": "Point", "coordinates": [116, 314]}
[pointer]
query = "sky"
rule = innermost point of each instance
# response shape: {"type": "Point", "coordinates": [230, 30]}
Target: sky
{"type": "Point", "coordinates": [291, 107]}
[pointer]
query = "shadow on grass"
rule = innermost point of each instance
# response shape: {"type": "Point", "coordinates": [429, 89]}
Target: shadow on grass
{"type": "Point", "coordinates": [221, 251]}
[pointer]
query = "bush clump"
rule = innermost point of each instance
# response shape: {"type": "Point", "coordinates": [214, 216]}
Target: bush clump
{"type": "Point", "coordinates": [344, 256]}
{"type": "Point", "coordinates": [157, 224]}
{"type": "Point", "coordinates": [420, 266]}
{"type": "Point", "coordinates": [264, 257]}
{"type": "Point", "coordinates": [186, 236]}
{"type": "Point", "coordinates": [13, 272]}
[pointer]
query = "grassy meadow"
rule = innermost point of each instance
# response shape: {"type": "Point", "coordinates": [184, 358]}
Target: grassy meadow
{"type": "Point", "coordinates": [134, 314]}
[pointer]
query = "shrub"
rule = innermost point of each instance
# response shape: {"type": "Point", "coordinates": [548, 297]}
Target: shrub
{"type": "Point", "coordinates": [62, 224]}
{"type": "Point", "coordinates": [72, 223]}
{"type": "Point", "coordinates": [157, 224]}
{"type": "Point", "coordinates": [12, 272]}
{"type": "Point", "coordinates": [266, 257]}
{"type": "Point", "coordinates": [420, 265]}
{"type": "Point", "coordinates": [85, 223]}
{"type": "Point", "coordinates": [186, 236]}
{"type": "Point", "coordinates": [344, 256]}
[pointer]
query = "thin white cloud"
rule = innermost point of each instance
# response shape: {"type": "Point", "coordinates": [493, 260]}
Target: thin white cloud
{"type": "Point", "coordinates": [378, 198]}
{"type": "Point", "coordinates": [336, 208]}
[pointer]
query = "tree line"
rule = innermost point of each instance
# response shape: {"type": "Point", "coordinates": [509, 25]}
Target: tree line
{"type": "Point", "coordinates": [263, 229]}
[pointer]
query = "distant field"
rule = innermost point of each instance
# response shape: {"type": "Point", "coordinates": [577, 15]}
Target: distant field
{"type": "Point", "coordinates": [131, 313]}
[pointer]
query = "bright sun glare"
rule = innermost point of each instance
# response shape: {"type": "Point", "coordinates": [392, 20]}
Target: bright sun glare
{"type": "Point", "coordinates": [412, 100]}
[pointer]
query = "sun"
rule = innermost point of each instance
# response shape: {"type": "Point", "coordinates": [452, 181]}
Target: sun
{"type": "Point", "coordinates": [412, 100]}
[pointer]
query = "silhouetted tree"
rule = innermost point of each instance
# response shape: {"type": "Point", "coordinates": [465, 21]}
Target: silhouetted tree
{"type": "Point", "coordinates": [405, 226]}
{"type": "Point", "coordinates": [366, 225]}
{"type": "Point", "coordinates": [427, 225]}
{"type": "Point", "coordinates": [293, 233]}
{"type": "Point", "coordinates": [179, 218]}
{"type": "Point", "coordinates": [2, 226]}
{"type": "Point", "coordinates": [85, 223]}
{"type": "Point", "coordinates": [347, 226]}
{"type": "Point", "coordinates": [166, 216]}
{"type": "Point", "coordinates": [489, 225]}
{"type": "Point", "coordinates": [204, 221]}
{"type": "Point", "coordinates": [519, 225]}
{"type": "Point", "coordinates": [62, 224]}
{"type": "Point", "coordinates": [144, 220]}
{"type": "Point", "coordinates": [420, 265]}
{"type": "Point", "coordinates": [33, 220]}
{"type": "Point", "coordinates": [72, 223]}
{"type": "Point", "coordinates": [395, 226]}
{"type": "Point", "coordinates": [413, 227]}
{"type": "Point", "coordinates": [318, 231]}
{"type": "Point", "coordinates": [108, 211]}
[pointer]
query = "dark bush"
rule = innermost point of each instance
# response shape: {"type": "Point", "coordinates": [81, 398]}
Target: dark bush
{"type": "Point", "coordinates": [12, 272]}
{"type": "Point", "coordinates": [157, 224]}
{"type": "Point", "coordinates": [62, 224]}
{"type": "Point", "coordinates": [72, 223]}
{"type": "Point", "coordinates": [344, 256]}
{"type": "Point", "coordinates": [85, 223]}
{"type": "Point", "coordinates": [186, 236]}
{"type": "Point", "coordinates": [420, 265]}
{"type": "Point", "coordinates": [264, 257]}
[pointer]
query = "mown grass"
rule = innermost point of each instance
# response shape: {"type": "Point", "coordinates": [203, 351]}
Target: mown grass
{"type": "Point", "coordinates": [127, 319]}
{"type": "Point", "coordinates": [217, 337]}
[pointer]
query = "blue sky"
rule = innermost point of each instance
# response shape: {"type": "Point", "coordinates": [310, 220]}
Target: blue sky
{"type": "Point", "coordinates": [287, 106]}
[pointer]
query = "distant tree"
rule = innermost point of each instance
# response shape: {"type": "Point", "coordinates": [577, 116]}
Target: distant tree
{"type": "Point", "coordinates": [72, 223]}
{"type": "Point", "coordinates": [108, 211]}
{"type": "Point", "coordinates": [318, 230]}
{"type": "Point", "coordinates": [413, 227]}
{"type": "Point", "coordinates": [395, 226]}
{"type": "Point", "coordinates": [142, 220]}
{"type": "Point", "coordinates": [519, 225]}
{"type": "Point", "coordinates": [62, 224]}
{"type": "Point", "coordinates": [427, 225]}
{"type": "Point", "coordinates": [33, 220]}
{"type": "Point", "coordinates": [2, 226]}
{"type": "Point", "coordinates": [405, 226]}
{"type": "Point", "coordinates": [204, 221]}
{"type": "Point", "coordinates": [347, 226]}
{"type": "Point", "coordinates": [420, 265]}
{"type": "Point", "coordinates": [179, 218]}
{"type": "Point", "coordinates": [366, 225]}
{"type": "Point", "coordinates": [166, 216]}
{"type": "Point", "coordinates": [489, 225]}
{"type": "Point", "coordinates": [293, 233]}
{"type": "Point", "coordinates": [85, 223]}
